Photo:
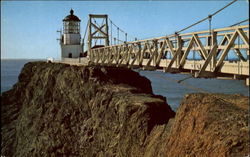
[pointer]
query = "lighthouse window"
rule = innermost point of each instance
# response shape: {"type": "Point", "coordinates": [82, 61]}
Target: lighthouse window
{"type": "Point", "coordinates": [71, 27]}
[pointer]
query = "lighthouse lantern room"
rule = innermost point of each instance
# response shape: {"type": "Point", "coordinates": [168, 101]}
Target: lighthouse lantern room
{"type": "Point", "coordinates": [71, 46]}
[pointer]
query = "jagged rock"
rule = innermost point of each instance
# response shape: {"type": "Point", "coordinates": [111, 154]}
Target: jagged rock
{"type": "Point", "coordinates": [210, 125]}
{"type": "Point", "coordinates": [63, 110]}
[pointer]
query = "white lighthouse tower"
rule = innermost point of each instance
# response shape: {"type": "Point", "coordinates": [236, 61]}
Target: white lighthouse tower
{"type": "Point", "coordinates": [71, 46]}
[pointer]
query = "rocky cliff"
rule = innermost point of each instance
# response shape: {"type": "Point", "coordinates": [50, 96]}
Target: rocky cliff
{"type": "Point", "coordinates": [62, 110]}
{"type": "Point", "coordinates": [58, 109]}
{"type": "Point", "coordinates": [210, 125]}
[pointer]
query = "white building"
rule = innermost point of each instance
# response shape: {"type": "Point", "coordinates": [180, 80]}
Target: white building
{"type": "Point", "coordinates": [71, 46]}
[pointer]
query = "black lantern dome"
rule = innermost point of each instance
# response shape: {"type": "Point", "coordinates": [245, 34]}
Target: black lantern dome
{"type": "Point", "coordinates": [71, 24]}
{"type": "Point", "coordinates": [71, 17]}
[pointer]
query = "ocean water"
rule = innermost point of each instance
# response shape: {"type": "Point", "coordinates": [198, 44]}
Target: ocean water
{"type": "Point", "coordinates": [10, 69]}
{"type": "Point", "coordinates": [167, 85]}
{"type": "Point", "coordinates": [164, 84]}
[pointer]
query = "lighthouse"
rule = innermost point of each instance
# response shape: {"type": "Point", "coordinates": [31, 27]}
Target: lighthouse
{"type": "Point", "coordinates": [70, 41]}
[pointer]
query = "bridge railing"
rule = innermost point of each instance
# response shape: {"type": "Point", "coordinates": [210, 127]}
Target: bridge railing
{"type": "Point", "coordinates": [203, 51]}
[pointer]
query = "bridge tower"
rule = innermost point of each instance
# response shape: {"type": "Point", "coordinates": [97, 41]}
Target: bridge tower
{"type": "Point", "coordinates": [96, 31]}
{"type": "Point", "coordinates": [71, 46]}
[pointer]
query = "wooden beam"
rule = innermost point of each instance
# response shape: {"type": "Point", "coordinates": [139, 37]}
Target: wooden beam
{"type": "Point", "coordinates": [243, 36]}
{"type": "Point", "coordinates": [162, 48]}
{"type": "Point", "coordinates": [153, 53]}
{"type": "Point", "coordinates": [92, 56]}
{"type": "Point", "coordinates": [170, 46]}
{"type": "Point", "coordinates": [225, 52]}
{"type": "Point", "coordinates": [228, 36]}
{"type": "Point", "coordinates": [142, 55]}
{"type": "Point", "coordinates": [137, 56]}
{"type": "Point", "coordinates": [199, 44]}
{"type": "Point", "coordinates": [110, 58]}
{"type": "Point", "coordinates": [239, 54]}
{"type": "Point", "coordinates": [128, 54]}
{"type": "Point", "coordinates": [99, 30]}
{"type": "Point", "coordinates": [173, 59]}
{"type": "Point", "coordinates": [103, 55]}
{"type": "Point", "coordinates": [98, 55]}
{"type": "Point", "coordinates": [208, 60]}
{"type": "Point", "coordinates": [179, 45]}
{"type": "Point", "coordinates": [214, 42]}
{"type": "Point", "coordinates": [98, 37]}
{"type": "Point", "coordinates": [183, 58]}
{"type": "Point", "coordinates": [125, 53]}
{"type": "Point", "coordinates": [118, 50]}
{"type": "Point", "coordinates": [98, 16]}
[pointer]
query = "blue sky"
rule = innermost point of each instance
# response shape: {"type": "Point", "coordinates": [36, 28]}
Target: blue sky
{"type": "Point", "coordinates": [28, 28]}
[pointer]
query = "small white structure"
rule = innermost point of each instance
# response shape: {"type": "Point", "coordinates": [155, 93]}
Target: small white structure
{"type": "Point", "coordinates": [50, 60]}
{"type": "Point", "coordinates": [70, 41]}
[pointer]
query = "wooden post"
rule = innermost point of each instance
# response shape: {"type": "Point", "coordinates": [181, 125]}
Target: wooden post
{"type": "Point", "coordinates": [179, 45]}
{"type": "Point", "coordinates": [214, 42]}
{"type": "Point", "coordinates": [155, 51]}
{"type": "Point", "coordinates": [107, 31]}
{"type": "Point", "coordinates": [90, 39]}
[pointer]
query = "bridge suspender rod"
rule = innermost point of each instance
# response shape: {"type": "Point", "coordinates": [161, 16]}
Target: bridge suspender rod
{"type": "Point", "coordinates": [111, 31]}
{"type": "Point", "coordinates": [117, 35]}
{"type": "Point", "coordinates": [118, 32]}
{"type": "Point", "coordinates": [210, 16]}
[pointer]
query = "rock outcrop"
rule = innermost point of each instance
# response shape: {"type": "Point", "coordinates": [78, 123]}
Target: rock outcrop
{"type": "Point", "coordinates": [205, 125]}
{"type": "Point", "coordinates": [210, 125]}
{"type": "Point", "coordinates": [62, 110]}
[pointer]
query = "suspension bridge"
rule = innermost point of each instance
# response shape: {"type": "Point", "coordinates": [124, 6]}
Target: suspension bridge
{"type": "Point", "coordinates": [202, 54]}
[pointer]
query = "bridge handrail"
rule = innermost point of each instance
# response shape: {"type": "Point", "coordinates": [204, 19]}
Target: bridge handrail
{"type": "Point", "coordinates": [187, 35]}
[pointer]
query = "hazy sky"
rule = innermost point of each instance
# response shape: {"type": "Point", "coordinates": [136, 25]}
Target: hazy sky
{"type": "Point", "coordinates": [28, 28]}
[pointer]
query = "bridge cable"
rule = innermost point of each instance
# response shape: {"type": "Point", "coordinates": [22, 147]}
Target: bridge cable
{"type": "Point", "coordinates": [179, 81]}
{"type": "Point", "coordinates": [238, 23]}
{"type": "Point", "coordinates": [183, 84]}
{"type": "Point", "coordinates": [210, 16]}
{"type": "Point", "coordinates": [192, 87]}
{"type": "Point", "coordinates": [117, 38]}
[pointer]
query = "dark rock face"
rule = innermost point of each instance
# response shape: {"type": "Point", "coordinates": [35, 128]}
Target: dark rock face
{"type": "Point", "coordinates": [210, 125]}
{"type": "Point", "coordinates": [63, 110]}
